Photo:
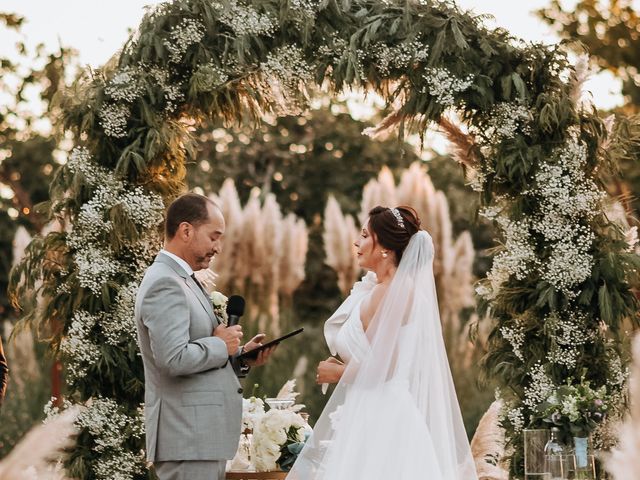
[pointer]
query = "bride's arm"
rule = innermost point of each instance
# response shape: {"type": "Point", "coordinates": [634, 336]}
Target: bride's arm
{"type": "Point", "coordinates": [330, 371]}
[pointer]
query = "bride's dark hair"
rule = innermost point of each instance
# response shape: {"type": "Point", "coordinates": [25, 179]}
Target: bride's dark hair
{"type": "Point", "coordinates": [389, 231]}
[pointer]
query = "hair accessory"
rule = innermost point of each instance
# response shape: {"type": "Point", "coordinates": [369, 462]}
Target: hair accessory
{"type": "Point", "coordinates": [396, 213]}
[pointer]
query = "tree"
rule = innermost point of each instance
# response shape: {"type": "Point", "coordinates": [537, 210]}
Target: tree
{"type": "Point", "coordinates": [610, 31]}
{"type": "Point", "coordinates": [28, 160]}
{"type": "Point", "coordinates": [28, 155]}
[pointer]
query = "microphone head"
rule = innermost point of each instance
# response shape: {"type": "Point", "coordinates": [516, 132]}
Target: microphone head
{"type": "Point", "coordinates": [235, 305]}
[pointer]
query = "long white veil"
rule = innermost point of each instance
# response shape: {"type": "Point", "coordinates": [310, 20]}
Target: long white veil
{"type": "Point", "coordinates": [395, 413]}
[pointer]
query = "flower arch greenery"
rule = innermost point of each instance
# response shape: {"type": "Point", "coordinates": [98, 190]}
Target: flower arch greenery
{"type": "Point", "coordinates": [559, 289]}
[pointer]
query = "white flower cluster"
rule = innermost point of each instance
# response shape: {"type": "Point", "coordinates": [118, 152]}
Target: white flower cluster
{"type": "Point", "coordinates": [77, 345]}
{"type": "Point", "coordinates": [303, 10]}
{"type": "Point", "coordinates": [96, 266]}
{"type": "Point", "coordinates": [208, 77]}
{"type": "Point", "coordinates": [125, 85]}
{"type": "Point", "coordinates": [110, 428]}
{"type": "Point", "coordinates": [93, 221]}
{"type": "Point", "coordinates": [399, 56]}
{"type": "Point", "coordinates": [142, 253]}
{"type": "Point", "coordinates": [479, 177]}
{"type": "Point", "coordinates": [171, 90]}
{"type": "Point", "coordinates": [540, 387]}
{"type": "Point", "coordinates": [570, 262]}
{"type": "Point", "coordinates": [121, 466]}
{"type": "Point", "coordinates": [516, 418]}
{"type": "Point", "coordinates": [182, 36]}
{"type": "Point", "coordinates": [288, 66]}
{"type": "Point", "coordinates": [518, 257]}
{"type": "Point", "coordinates": [80, 162]}
{"type": "Point", "coordinates": [441, 84]}
{"type": "Point", "coordinates": [219, 301]}
{"type": "Point", "coordinates": [106, 422]}
{"type": "Point", "coordinates": [252, 411]}
{"type": "Point", "coordinates": [567, 201]}
{"type": "Point", "coordinates": [145, 209]}
{"type": "Point", "coordinates": [505, 119]}
{"type": "Point", "coordinates": [270, 433]}
{"type": "Point", "coordinates": [515, 336]}
{"type": "Point", "coordinates": [119, 324]}
{"type": "Point", "coordinates": [245, 20]}
{"type": "Point", "coordinates": [114, 118]}
{"type": "Point", "coordinates": [334, 48]}
{"type": "Point", "coordinates": [570, 408]}
{"type": "Point", "coordinates": [569, 331]}
{"type": "Point", "coordinates": [563, 186]}
{"type": "Point", "coordinates": [51, 410]}
{"type": "Point", "coordinates": [618, 374]}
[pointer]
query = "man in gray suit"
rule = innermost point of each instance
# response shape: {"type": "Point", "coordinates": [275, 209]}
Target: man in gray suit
{"type": "Point", "coordinates": [193, 399]}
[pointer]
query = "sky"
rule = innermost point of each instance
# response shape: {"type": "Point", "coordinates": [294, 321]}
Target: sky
{"type": "Point", "coordinates": [97, 29]}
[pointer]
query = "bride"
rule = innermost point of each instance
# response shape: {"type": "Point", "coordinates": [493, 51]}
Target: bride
{"type": "Point", "coordinates": [394, 412]}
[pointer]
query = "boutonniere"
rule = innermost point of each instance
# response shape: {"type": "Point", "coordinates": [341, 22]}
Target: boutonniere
{"type": "Point", "coordinates": [219, 302]}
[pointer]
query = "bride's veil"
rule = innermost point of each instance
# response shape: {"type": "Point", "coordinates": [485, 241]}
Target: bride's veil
{"type": "Point", "coordinates": [397, 409]}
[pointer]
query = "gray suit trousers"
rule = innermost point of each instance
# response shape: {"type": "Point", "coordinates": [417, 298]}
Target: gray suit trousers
{"type": "Point", "coordinates": [191, 470]}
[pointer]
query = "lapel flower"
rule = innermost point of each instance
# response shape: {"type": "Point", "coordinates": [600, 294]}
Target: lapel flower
{"type": "Point", "coordinates": [219, 302]}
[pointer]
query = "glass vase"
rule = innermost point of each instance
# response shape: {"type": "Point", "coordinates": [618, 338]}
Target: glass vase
{"type": "Point", "coordinates": [535, 465]}
{"type": "Point", "coordinates": [588, 472]}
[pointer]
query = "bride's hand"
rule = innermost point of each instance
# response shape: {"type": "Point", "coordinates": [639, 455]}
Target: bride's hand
{"type": "Point", "coordinates": [330, 371]}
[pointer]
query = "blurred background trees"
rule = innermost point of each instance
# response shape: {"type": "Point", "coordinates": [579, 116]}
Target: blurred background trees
{"type": "Point", "coordinates": [609, 30]}
{"type": "Point", "coordinates": [29, 155]}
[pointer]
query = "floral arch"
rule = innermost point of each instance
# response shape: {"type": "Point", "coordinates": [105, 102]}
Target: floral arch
{"type": "Point", "coordinates": [558, 291]}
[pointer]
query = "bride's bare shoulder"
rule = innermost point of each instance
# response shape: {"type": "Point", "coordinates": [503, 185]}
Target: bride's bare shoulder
{"type": "Point", "coordinates": [371, 303]}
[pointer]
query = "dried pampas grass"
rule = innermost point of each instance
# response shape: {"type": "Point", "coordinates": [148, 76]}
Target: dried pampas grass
{"type": "Point", "coordinates": [487, 446]}
{"type": "Point", "coordinates": [464, 149]}
{"type": "Point", "coordinates": [623, 463]}
{"type": "Point", "coordinates": [339, 234]}
{"type": "Point", "coordinates": [35, 456]}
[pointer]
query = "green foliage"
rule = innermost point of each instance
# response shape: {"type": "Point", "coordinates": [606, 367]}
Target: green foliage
{"type": "Point", "coordinates": [339, 43]}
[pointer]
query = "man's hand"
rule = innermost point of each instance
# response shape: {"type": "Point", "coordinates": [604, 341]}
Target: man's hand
{"type": "Point", "coordinates": [330, 371]}
{"type": "Point", "coordinates": [231, 336]}
{"type": "Point", "coordinates": [263, 356]}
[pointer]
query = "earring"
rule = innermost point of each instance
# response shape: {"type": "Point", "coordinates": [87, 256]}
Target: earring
{"type": "Point", "coordinates": [384, 254]}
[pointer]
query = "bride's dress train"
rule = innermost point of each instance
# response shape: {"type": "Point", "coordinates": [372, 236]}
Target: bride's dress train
{"type": "Point", "coordinates": [394, 414]}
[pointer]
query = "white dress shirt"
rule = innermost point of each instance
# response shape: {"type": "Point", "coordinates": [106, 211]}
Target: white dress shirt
{"type": "Point", "coordinates": [180, 261]}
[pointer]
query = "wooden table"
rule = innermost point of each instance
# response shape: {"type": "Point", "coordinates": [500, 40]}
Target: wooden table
{"type": "Point", "coordinates": [277, 475]}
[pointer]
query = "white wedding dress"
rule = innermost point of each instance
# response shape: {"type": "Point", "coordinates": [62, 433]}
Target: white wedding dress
{"type": "Point", "coordinates": [394, 414]}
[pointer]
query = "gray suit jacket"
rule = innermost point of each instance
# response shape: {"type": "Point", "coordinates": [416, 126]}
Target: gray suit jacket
{"type": "Point", "coordinates": [193, 400]}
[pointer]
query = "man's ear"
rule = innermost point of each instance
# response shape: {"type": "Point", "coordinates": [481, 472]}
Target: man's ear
{"type": "Point", "coordinates": [185, 231]}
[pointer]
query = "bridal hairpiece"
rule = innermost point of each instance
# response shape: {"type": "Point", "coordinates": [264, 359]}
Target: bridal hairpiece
{"type": "Point", "coordinates": [396, 213]}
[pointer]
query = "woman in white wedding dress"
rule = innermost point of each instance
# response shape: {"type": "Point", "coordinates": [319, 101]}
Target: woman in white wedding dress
{"type": "Point", "coordinates": [394, 413]}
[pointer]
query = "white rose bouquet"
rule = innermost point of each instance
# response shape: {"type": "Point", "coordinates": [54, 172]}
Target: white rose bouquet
{"type": "Point", "coordinates": [274, 438]}
{"type": "Point", "coordinates": [252, 411]}
{"type": "Point", "coordinates": [273, 434]}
